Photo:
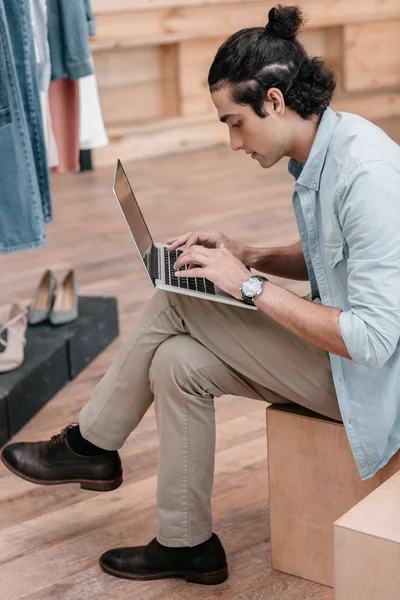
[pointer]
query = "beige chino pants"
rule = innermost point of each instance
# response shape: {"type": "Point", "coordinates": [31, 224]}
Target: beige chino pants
{"type": "Point", "coordinates": [182, 353]}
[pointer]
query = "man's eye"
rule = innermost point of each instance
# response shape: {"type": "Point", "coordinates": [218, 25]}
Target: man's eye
{"type": "Point", "coordinates": [236, 125]}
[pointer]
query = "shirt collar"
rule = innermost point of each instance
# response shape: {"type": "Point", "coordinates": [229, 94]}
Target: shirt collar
{"type": "Point", "coordinates": [309, 174]}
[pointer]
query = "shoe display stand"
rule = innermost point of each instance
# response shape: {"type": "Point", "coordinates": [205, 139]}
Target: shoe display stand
{"type": "Point", "coordinates": [54, 356]}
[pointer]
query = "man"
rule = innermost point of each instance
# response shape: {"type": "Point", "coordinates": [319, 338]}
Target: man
{"type": "Point", "coordinates": [339, 356]}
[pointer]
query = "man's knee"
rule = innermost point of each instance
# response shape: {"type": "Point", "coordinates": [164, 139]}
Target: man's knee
{"type": "Point", "coordinates": [173, 359]}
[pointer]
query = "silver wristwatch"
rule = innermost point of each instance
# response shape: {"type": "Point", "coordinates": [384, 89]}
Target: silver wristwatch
{"type": "Point", "coordinates": [252, 287]}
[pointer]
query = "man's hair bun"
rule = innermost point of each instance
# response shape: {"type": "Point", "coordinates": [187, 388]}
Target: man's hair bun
{"type": "Point", "coordinates": [256, 59]}
{"type": "Point", "coordinates": [285, 21]}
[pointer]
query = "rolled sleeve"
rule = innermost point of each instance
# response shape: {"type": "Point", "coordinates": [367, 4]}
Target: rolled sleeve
{"type": "Point", "coordinates": [76, 51]}
{"type": "Point", "coordinates": [90, 18]}
{"type": "Point", "coordinates": [369, 213]}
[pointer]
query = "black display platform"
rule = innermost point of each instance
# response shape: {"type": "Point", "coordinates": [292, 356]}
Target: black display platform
{"type": "Point", "coordinates": [54, 356]}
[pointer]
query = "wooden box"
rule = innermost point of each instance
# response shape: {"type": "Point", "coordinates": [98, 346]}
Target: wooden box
{"type": "Point", "coordinates": [313, 481]}
{"type": "Point", "coordinates": [367, 547]}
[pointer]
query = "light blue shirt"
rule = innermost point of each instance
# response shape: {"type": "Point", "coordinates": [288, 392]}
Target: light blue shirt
{"type": "Point", "coordinates": [347, 205]}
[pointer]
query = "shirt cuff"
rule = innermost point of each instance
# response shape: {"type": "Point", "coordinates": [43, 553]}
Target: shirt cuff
{"type": "Point", "coordinates": [354, 335]}
{"type": "Point", "coordinates": [76, 70]}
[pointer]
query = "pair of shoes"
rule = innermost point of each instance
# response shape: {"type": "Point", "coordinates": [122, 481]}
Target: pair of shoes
{"type": "Point", "coordinates": [54, 462]}
{"type": "Point", "coordinates": [60, 306]}
{"type": "Point", "coordinates": [13, 323]}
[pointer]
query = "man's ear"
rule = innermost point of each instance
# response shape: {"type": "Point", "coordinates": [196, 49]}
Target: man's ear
{"type": "Point", "coordinates": [276, 101]}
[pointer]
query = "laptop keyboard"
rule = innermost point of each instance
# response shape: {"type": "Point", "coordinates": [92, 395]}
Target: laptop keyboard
{"type": "Point", "coordinates": [197, 284]}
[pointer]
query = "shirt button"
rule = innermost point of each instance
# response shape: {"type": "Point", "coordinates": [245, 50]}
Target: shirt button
{"type": "Point", "coordinates": [314, 185]}
{"type": "Point", "coordinates": [339, 379]}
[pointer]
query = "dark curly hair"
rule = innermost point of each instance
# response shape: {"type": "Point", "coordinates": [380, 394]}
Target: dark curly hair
{"type": "Point", "coordinates": [255, 59]}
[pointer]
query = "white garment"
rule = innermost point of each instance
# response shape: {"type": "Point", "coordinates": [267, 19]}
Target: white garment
{"type": "Point", "coordinates": [92, 133]}
{"type": "Point", "coordinates": [39, 26]}
{"type": "Point", "coordinates": [42, 51]}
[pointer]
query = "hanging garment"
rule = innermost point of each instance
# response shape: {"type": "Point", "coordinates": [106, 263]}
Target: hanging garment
{"type": "Point", "coordinates": [64, 107]}
{"type": "Point", "coordinates": [90, 18]}
{"type": "Point", "coordinates": [92, 133]}
{"type": "Point", "coordinates": [25, 202]}
{"type": "Point", "coordinates": [42, 51]}
{"type": "Point", "coordinates": [69, 25]}
{"type": "Point", "coordinates": [49, 137]}
{"type": "Point", "coordinates": [39, 26]}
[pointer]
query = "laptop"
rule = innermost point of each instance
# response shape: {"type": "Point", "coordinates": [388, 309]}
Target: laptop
{"type": "Point", "coordinates": [156, 259]}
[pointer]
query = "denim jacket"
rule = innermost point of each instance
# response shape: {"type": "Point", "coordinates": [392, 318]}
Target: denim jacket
{"type": "Point", "coordinates": [69, 25]}
{"type": "Point", "coordinates": [347, 205]}
{"type": "Point", "coordinates": [25, 200]}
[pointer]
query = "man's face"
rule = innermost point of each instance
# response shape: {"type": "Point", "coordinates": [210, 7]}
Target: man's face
{"type": "Point", "coordinates": [262, 139]}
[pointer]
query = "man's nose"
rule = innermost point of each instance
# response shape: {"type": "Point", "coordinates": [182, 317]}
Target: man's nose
{"type": "Point", "coordinates": [236, 140]}
{"type": "Point", "coordinates": [236, 144]}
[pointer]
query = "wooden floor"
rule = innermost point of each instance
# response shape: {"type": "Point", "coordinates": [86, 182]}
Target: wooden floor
{"type": "Point", "coordinates": [51, 537]}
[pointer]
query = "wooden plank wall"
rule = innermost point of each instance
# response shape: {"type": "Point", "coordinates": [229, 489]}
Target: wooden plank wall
{"type": "Point", "coordinates": [152, 59]}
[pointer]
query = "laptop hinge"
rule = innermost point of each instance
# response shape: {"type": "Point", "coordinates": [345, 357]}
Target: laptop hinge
{"type": "Point", "coordinates": [155, 273]}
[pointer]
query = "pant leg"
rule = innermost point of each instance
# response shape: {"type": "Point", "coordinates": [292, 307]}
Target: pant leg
{"type": "Point", "coordinates": [185, 377]}
{"type": "Point", "coordinates": [249, 342]}
{"type": "Point", "coordinates": [123, 395]}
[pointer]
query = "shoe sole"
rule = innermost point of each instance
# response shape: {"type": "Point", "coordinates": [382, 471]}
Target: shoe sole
{"type": "Point", "coordinates": [212, 578]}
{"type": "Point", "coordinates": [86, 484]}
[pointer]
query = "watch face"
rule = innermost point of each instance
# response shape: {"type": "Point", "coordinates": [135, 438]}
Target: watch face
{"type": "Point", "coordinates": [252, 287]}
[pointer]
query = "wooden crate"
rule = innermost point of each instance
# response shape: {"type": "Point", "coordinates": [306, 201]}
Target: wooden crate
{"type": "Point", "coordinates": [367, 547]}
{"type": "Point", "coordinates": [313, 481]}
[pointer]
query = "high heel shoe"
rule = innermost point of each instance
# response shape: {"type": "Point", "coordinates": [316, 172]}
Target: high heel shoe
{"type": "Point", "coordinates": [65, 308]}
{"type": "Point", "coordinates": [43, 299]}
{"type": "Point", "coordinates": [14, 321]}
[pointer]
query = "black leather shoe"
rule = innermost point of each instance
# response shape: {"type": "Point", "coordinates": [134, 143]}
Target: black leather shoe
{"type": "Point", "coordinates": [205, 564]}
{"type": "Point", "coordinates": [54, 462]}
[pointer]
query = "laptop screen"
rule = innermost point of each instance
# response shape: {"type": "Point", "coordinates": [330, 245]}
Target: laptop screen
{"type": "Point", "coordinates": [132, 213]}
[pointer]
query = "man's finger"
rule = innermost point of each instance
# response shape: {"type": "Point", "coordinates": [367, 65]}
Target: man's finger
{"type": "Point", "coordinates": [201, 249]}
{"type": "Point", "coordinates": [177, 242]}
{"type": "Point", "coordinates": [190, 273]}
{"type": "Point", "coordinates": [192, 241]}
{"type": "Point", "coordinates": [198, 238]}
{"type": "Point", "coordinates": [191, 256]}
{"type": "Point", "coordinates": [174, 239]}
{"type": "Point", "coordinates": [173, 246]}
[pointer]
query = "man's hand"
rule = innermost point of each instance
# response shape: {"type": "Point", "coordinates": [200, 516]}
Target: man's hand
{"type": "Point", "coordinates": [216, 264]}
{"type": "Point", "coordinates": [208, 239]}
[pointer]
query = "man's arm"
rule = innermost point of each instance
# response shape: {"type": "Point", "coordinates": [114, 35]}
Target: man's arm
{"type": "Point", "coordinates": [367, 332]}
{"type": "Point", "coordinates": [286, 261]}
{"type": "Point", "coordinates": [315, 323]}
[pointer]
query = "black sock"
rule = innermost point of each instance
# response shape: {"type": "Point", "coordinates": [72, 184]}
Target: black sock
{"type": "Point", "coordinates": [81, 446]}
